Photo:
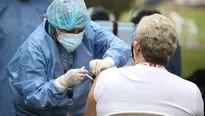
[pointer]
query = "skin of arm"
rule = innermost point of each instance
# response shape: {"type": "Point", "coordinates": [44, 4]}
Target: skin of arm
{"type": "Point", "coordinates": [90, 109]}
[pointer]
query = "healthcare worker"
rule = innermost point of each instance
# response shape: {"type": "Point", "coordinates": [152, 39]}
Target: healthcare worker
{"type": "Point", "coordinates": [48, 72]}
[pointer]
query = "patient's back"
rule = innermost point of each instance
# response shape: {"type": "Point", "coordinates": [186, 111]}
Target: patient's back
{"type": "Point", "coordinates": [141, 88]}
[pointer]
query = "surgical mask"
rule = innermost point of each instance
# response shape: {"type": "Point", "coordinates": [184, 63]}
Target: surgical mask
{"type": "Point", "coordinates": [70, 41]}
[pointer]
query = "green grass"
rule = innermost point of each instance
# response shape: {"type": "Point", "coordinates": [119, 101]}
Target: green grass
{"type": "Point", "coordinates": [199, 16]}
{"type": "Point", "coordinates": [192, 60]}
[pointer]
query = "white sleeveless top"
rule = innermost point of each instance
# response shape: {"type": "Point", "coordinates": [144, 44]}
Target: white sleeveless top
{"type": "Point", "coordinates": [142, 88]}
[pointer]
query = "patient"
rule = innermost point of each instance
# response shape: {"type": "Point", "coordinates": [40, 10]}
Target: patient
{"type": "Point", "coordinates": [147, 86]}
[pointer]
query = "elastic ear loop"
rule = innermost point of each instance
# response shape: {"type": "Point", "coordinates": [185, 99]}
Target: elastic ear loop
{"type": "Point", "coordinates": [57, 31]}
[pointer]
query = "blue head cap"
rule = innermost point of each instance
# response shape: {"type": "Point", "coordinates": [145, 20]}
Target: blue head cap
{"type": "Point", "coordinates": [68, 14]}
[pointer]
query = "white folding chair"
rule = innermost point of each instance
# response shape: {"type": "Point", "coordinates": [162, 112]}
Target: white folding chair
{"type": "Point", "coordinates": [135, 114]}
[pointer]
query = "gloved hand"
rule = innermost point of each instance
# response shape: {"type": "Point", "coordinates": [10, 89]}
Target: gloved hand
{"type": "Point", "coordinates": [72, 77]}
{"type": "Point", "coordinates": [98, 65]}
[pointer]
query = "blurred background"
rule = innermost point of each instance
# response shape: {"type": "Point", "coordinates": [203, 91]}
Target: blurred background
{"type": "Point", "coordinates": [188, 15]}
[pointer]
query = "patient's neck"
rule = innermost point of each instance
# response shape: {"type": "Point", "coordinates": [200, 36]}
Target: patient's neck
{"type": "Point", "coordinates": [139, 59]}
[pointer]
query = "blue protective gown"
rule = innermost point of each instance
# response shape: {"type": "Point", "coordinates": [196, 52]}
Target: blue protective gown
{"type": "Point", "coordinates": [37, 64]}
{"type": "Point", "coordinates": [17, 21]}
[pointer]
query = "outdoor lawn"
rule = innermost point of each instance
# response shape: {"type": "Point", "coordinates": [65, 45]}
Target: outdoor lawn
{"type": "Point", "coordinates": [193, 59]}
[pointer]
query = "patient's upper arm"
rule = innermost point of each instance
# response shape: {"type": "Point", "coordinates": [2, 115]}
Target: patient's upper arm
{"type": "Point", "coordinates": [97, 90]}
{"type": "Point", "coordinates": [90, 109]}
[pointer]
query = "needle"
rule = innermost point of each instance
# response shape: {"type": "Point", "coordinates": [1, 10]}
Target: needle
{"type": "Point", "coordinates": [89, 77]}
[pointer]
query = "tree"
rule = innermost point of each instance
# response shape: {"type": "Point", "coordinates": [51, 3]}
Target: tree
{"type": "Point", "coordinates": [115, 6]}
